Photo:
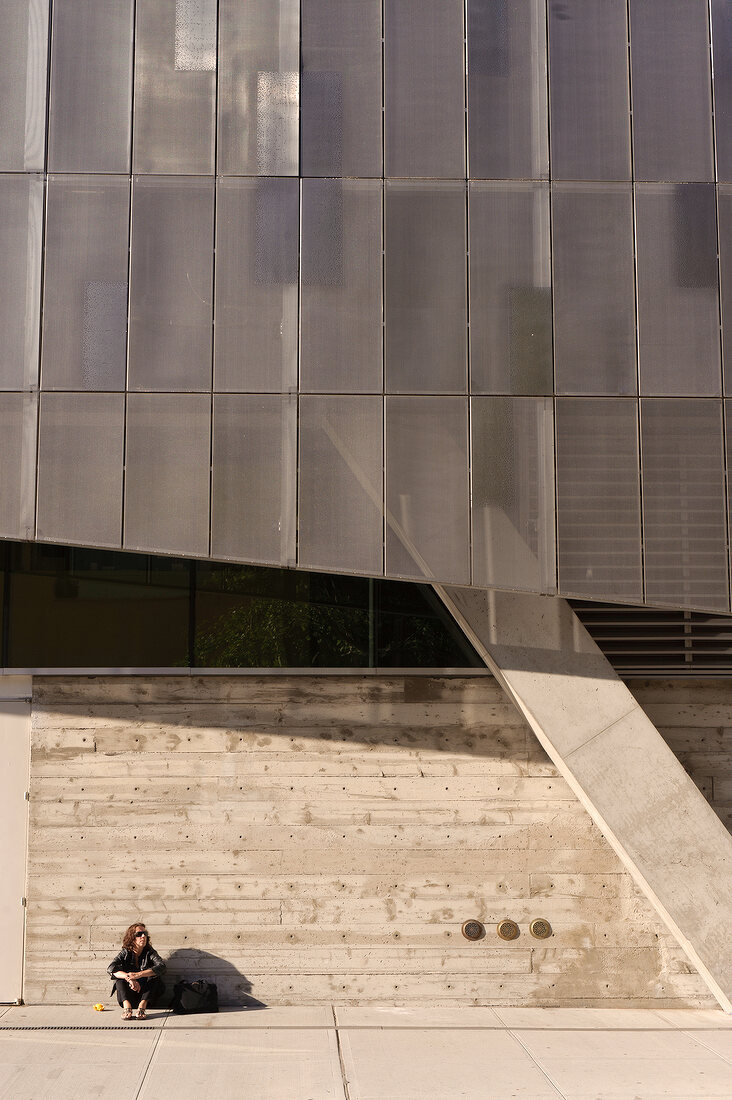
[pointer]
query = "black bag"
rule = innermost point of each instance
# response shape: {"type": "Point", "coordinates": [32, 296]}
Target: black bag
{"type": "Point", "coordinates": [194, 997]}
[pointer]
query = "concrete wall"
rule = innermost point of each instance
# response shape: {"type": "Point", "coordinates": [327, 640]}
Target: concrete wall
{"type": "Point", "coordinates": [695, 719]}
{"type": "Point", "coordinates": [322, 838]}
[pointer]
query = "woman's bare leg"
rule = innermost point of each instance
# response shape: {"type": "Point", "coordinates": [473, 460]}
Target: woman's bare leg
{"type": "Point", "coordinates": [126, 1010]}
{"type": "Point", "coordinates": [141, 1010]}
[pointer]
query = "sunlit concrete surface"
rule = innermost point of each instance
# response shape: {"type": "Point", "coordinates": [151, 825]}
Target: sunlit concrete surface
{"type": "Point", "coordinates": [290, 1016]}
{"type": "Point", "coordinates": [647, 1064]}
{"type": "Point", "coordinates": [369, 1016]}
{"type": "Point", "coordinates": [64, 1064]}
{"type": "Point", "coordinates": [589, 1019]}
{"type": "Point", "coordinates": [431, 1064]}
{"type": "Point", "coordinates": [78, 1016]}
{"type": "Point", "coordinates": [281, 1064]}
{"type": "Point", "coordinates": [367, 1053]}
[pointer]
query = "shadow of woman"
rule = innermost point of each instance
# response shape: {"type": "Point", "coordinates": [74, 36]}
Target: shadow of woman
{"type": "Point", "coordinates": [235, 989]}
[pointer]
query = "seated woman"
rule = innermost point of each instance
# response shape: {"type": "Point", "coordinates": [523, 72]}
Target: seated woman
{"type": "Point", "coordinates": [137, 970]}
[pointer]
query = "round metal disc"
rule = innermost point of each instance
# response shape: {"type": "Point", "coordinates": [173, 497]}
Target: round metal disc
{"type": "Point", "coordinates": [508, 930]}
{"type": "Point", "coordinates": [540, 928]}
{"type": "Point", "coordinates": [473, 930]}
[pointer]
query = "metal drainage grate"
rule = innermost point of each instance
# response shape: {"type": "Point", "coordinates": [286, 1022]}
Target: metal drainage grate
{"type": "Point", "coordinates": [73, 1027]}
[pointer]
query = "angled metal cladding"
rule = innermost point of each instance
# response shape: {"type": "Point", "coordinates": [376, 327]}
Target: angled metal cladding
{"type": "Point", "coordinates": [375, 287]}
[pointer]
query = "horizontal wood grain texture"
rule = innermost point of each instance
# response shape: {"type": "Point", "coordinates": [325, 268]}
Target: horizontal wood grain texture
{"type": "Point", "coordinates": [305, 839]}
{"type": "Point", "coordinates": [267, 689]}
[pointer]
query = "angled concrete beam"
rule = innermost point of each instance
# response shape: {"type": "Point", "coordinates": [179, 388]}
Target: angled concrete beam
{"type": "Point", "coordinates": [615, 760]}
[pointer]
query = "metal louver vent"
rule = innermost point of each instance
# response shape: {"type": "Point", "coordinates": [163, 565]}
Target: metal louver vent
{"type": "Point", "coordinates": [643, 641]}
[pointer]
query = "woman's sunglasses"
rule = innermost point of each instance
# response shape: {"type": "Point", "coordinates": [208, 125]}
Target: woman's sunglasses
{"type": "Point", "coordinates": [139, 935]}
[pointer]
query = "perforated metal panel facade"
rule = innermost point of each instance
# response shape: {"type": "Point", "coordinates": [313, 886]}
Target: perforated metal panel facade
{"type": "Point", "coordinates": [421, 288]}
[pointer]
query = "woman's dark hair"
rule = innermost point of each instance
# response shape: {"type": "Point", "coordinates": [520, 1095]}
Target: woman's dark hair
{"type": "Point", "coordinates": [128, 940]}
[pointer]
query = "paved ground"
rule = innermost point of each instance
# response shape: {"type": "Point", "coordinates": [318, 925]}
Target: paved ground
{"type": "Point", "coordinates": [329, 1053]}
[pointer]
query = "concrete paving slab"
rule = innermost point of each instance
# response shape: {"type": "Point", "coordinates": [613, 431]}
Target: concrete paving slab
{"type": "Point", "coordinates": [276, 1016]}
{"type": "Point", "coordinates": [368, 1016]}
{"type": "Point", "coordinates": [599, 1054]}
{"type": "Point", "coordinates": [78, 1016]}
{"type": "Point", "coordinates": [626, 1065]}
{"type": "Point", "coordinates": [589, 1019]}
{"type": "Point", "coordinates": [67, 1065]}
{"type": "Point", "coordinates": [440, 1065]}
{"type": "Point", "coordinates": [688, 1018]}
{"type": "Point", "coordinates": [67, 1083]}
{"type": "Point", "coordinates": [75, 1047]}
{"type": "Point", "coordinates": [271, 1065]}
{"type": "Point", "coordinates": [719, 1042]}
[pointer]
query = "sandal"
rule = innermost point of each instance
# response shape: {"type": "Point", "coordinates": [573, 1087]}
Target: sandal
{"type": "Point", "coordinates": [127, 1014]}
{"type": "Point", "coordinates": [141, 1014]}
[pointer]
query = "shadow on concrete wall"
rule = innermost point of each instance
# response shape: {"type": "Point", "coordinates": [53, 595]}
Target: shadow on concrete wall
{"type": "Point", "coordinates": [235, 989]}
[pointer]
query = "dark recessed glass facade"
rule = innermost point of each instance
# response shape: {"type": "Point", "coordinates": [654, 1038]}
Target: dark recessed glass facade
{"type": "Point", "coordinates": [421, 289]}
{"type": "Point", "coordinates": [64, 607]}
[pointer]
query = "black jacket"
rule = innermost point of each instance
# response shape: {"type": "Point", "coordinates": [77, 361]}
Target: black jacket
{"type": "Point", "coordinates": [125, 960]}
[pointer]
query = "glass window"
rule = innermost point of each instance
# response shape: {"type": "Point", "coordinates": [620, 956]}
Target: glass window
{"type": "Point", "coordinates": [23, 71]}
{"type": "Point", "coordinates": [513, 493]}
{"type": "Point", "coordinates": [254, 478]}
{"type": "Point", "coordinates": [257, 234]}
{"type": "Point", "coordinates": [248, 617]}
{"type": "Point", "coordinates": [259, 87]}
{"type": "Point", "coordinates": [341, 88]}
{"type": "Point", "coordinates": [91, 86]}
{"type": "Point", "coordinates": [80, 464]}
{"type": "Point", "coordinates": [427, 492]}
{"type": "Point", "coordinates": [678, 291]}
{"type": "Point", "coordinates": [341, 348]}
{"type": "Point", "coordinates": [424, 67]}
{"type": "Point", "coordinates": [78, 608]}
{"type": "Point", "coordinates": [18, 423]}
{"type": "Point", "coordinates": [426, 291]}
{"type": "Point", "coordinates": [507, 91]}
{"type": "Point", "coordinates": [594, 300]}
{"type": "Point", "coordinates": [598, 498]}
{"type": "Point", "coordinates": [588, 55]}
{"type": "Point", "coordinates": [74, 608]}
{"type": "Point", "coordinates": [85, 284]}
{"type": "Point", "coordinates": [171, 284]}
{"type": "Point", "coordinates": [510, 289]}
{"type": "Point", "coordinates": [413, 629]}
{"type": "Point", "coordinates": [175, 86]}
{"type": "Point", "coordinates": [21, 230]}
{"type": "Point", "coordinates": [684, 515]}
{"type": "Point", "coordinates": [168, 469]}
{"type": "Point", "coordinates": [671, 81]}
{"type": "Point", "coordinates": [341, 494]}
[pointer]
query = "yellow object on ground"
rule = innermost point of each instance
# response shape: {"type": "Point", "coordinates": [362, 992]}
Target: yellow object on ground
{"type": "Point", "coordinates": [99, 1008]}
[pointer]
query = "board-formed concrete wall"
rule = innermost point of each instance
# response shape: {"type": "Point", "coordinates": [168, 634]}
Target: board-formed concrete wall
{"type": "Point", "coordinates": [694, 717]}
{"type": "Point", "coordinates": [323, 838]}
